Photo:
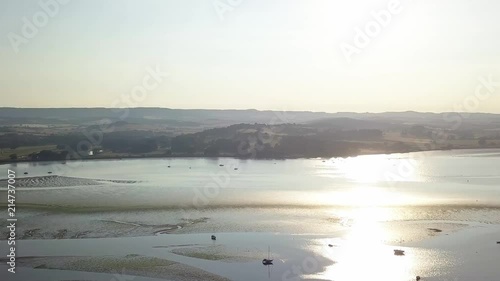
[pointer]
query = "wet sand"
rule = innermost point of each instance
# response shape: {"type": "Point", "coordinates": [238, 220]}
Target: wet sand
{"type": "Point", "coordinates": [456, 251]}
{"type": "Point", "coordinates": [130, 265]}
{"type": "Point", "coordinates": [60, 181]}
{"type": "Point", "coordinates": [55, 223]}
{"type": "Point", "coordinates": [323, 220]}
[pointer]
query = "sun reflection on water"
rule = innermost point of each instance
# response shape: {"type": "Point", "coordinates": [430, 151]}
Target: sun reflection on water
{"type": "Point", "coordinates": [362, 254]}
{"type": "Point", "coordinates": [373, 168]}
{"type": "Point", "coordinates": [370, 180]}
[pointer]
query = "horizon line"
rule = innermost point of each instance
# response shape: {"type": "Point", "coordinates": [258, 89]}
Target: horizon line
{"type": "Point", "coordinates": [253, 109]}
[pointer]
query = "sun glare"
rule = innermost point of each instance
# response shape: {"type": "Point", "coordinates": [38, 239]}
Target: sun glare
{"type": "Point", "coordinates": [362, 254]}
{"type": "Point", "coordinates": [365, 169]}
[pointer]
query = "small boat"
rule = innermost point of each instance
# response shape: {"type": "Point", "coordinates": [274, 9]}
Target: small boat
{"type": "Point", "coordinates": [236, 169]}
{"type": "Point", "coordinates": [399, 252]}
{"type": "Point", "coordinates": [221, 165]}
{"type": "Point", "coordinates": [330, 245]}
{"type": "Point", "coordinates": [268, 261]}
{"type": "Point", "coordinates": [50, 172]}
{"type": "Point", "coordinates": [213, 237]}
{"type": "Point", "coordinates": [25, 173]}
{"type": "Point", "coordinates": [168, 166]}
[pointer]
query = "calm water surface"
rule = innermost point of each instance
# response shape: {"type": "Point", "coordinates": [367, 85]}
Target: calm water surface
{"type": "Point", "coordinates": [366, 206]}
{"type": "Point", "coordinates": [426, 178]}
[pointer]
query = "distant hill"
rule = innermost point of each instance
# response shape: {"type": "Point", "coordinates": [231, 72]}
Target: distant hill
{"type": "Point", "coordinates": [55, 134]}
{"type": "Point", "coordinates": [344, 123]}
{"type": "Point", "coordinates": [218, 118]}
{"type": "Point", "coordinates": [193, 117]}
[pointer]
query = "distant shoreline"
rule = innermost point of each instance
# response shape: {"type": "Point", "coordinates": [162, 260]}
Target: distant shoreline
{"type": "Point", "coordinates": [5, 162]}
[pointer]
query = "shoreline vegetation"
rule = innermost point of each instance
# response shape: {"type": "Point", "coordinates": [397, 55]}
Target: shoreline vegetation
{"type": "Point", "coordinates": [162, 156]}
{"type": "Point", "coordinates": [28, 135]}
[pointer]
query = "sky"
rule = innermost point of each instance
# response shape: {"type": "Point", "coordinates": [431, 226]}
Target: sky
{"type": "Point", "coordinates": [314, 55]}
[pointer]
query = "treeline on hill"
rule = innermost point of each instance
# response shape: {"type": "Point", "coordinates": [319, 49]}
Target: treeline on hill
{"type": "Point", "coordinates": [80, 145]}
{"type": "Point", "coordinates": [241, 140]}
{"type": "Point", "coordinates": [323, 139]}
{"type": "Point", "coordinates": [278, 141]}
{"type": "Point", "coordinates": [129, 141]}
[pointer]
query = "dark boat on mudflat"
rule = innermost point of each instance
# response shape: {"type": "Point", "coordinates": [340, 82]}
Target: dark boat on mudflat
{"type": "Point", "coordinates": [268, 261]}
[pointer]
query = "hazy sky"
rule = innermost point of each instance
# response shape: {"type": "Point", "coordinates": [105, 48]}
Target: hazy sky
{"type": "Point", "coordinates": [262, 54]}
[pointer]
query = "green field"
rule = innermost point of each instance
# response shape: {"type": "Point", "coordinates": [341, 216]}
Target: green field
{"type": "Point", "coordinates": [24, 151]}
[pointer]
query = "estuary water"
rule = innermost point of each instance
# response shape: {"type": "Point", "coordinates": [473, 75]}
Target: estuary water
{"type": "Point", "coordinates": [224, 194]}
{"type": "Point", "coordinates": [462, 177]}
{"type": "Point", "coordinates": [331, 219]}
